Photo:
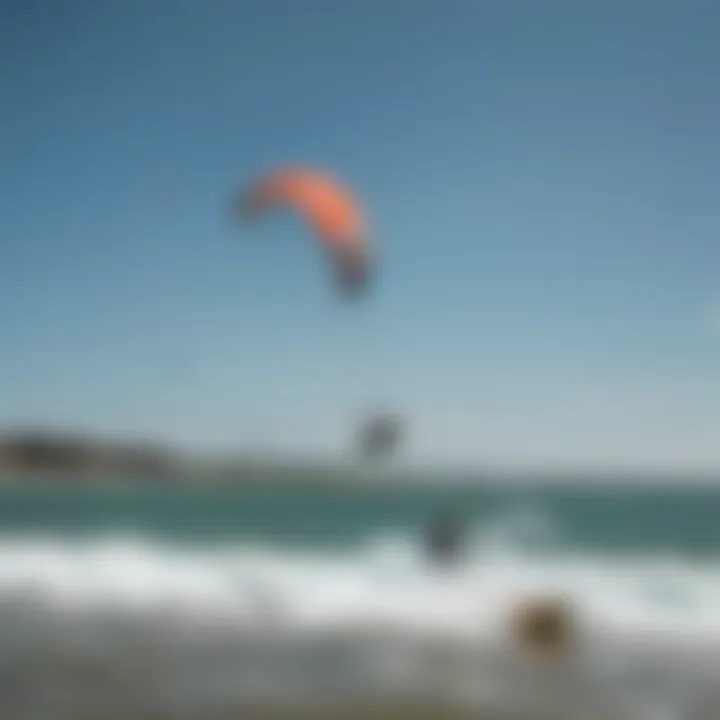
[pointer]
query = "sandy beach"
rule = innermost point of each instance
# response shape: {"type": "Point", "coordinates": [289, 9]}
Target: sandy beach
{"type": "Point", "coordinates": [369, 712]}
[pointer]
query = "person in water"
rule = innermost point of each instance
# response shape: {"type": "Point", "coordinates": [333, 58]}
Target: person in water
{"type": "Point", "coordinates": [445, 539]}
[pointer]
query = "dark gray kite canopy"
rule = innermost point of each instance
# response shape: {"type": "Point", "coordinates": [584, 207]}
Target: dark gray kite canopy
{"type": "Point", "coordinates": [380, 435]}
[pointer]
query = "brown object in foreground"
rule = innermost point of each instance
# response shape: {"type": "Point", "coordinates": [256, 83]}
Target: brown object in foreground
{"type": "Point", "coordinates": [544, 625]}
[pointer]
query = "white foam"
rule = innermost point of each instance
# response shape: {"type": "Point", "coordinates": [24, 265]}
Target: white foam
{"type": "Point", "coordinates": [195, 628]}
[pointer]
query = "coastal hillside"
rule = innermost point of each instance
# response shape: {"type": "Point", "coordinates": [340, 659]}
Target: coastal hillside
{"type": "Point", "coordinates": [46, 451]}
{"type": "Point", "coordinates": [29, 454]}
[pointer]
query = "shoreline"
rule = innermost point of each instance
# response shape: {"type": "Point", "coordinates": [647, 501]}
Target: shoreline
{"type": "Point", "coordinates": [349, 711]}
{"type": "Point", "coordinates": [33, 457]}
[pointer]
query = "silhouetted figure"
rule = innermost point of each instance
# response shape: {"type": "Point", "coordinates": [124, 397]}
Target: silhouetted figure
{"type": "Point", "coordinates": [445, 539]}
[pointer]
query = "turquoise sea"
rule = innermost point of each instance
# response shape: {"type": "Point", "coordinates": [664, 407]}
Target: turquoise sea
{"type": "Point", "coordinates": [681, 517]}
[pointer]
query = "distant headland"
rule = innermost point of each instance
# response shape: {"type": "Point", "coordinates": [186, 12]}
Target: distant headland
{"type": "Point", "coordinates": [30, 454]}
{"type": "Point", "coordinates": [35, 455]}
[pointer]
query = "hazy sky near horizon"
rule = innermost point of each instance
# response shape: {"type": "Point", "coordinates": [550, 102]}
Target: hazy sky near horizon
{"type": "Point", "coordinates": [543, 178]}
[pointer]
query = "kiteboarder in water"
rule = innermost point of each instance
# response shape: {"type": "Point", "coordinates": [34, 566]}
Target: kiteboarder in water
{"type": "Point", "coordinates": [445, 539]}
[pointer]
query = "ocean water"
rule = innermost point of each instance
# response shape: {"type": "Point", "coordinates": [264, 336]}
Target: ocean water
{"type": "Point", "coordinates": [197, 601]}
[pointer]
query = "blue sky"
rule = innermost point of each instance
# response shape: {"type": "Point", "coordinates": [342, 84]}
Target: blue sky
{"type": "Point", "coordinates": [543, 178]}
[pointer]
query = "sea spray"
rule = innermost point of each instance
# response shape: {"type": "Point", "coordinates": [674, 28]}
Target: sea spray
{"type": "Point", "coordinates": [235, 624]}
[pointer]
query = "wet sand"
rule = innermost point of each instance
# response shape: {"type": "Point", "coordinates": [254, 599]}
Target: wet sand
{"type": "Point", "coordinates": [370, 712]}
